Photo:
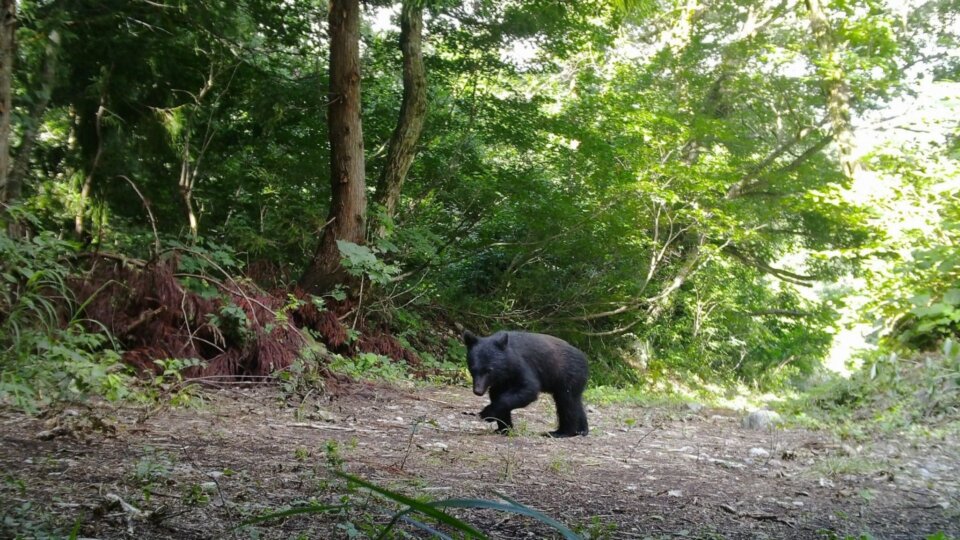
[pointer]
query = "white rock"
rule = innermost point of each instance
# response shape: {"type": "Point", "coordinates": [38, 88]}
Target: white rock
{"type": "Point", "coordinates": [761, 419]}
{"type": "Point", "coordinates": [759, 453]}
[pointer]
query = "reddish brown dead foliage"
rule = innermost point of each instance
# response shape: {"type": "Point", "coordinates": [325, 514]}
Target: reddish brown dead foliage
{"type": "Point", "coordinates": [147, 308]}
{"type": "Point", "coordinates": [324, 320]}
{"type": "Point", "coordinates": [154, 317]}
{"type": "Point", "coordinates": [334, 333]}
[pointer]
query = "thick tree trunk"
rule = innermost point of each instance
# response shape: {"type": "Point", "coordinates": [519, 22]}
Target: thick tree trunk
{"type": "Point", "coordinates": [412, 111]}
{"type": "Point", "coordinates": [835, 86]}
{"type": "Point", "coordinates": [348, 205]}
{"type": "Point", "coordinates": [9, 187]}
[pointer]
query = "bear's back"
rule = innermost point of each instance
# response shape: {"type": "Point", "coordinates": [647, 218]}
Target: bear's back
{"type": "Point", "coordinates": [558, 364]}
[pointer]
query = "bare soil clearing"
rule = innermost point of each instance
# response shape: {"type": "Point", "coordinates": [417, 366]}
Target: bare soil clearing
{"type": "Point", "coordinates": [642, 473]}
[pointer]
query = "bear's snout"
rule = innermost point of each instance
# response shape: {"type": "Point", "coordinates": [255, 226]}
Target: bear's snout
{"type": "Point", "coordinates": [480, 385]}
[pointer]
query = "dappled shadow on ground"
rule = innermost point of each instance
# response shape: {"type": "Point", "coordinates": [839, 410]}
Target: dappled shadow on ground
{"type": "Point", "coordinates": [642, 473]}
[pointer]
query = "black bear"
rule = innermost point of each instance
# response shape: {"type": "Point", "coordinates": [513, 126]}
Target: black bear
{"type": "Point", "coordinates": [517, 366]}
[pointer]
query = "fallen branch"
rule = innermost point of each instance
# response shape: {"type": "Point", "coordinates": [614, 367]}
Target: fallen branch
{"type": "Point", "coordinates": [756, 515]}
{"type": "Point", "coordinates": [316, 426]}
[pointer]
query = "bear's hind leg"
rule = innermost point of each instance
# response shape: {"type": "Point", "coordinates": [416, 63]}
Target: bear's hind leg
{"type": "Point", "coordinates": [570, 414]}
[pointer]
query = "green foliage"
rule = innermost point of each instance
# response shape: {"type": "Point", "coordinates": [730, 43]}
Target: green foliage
{"type": "Point", "coordinates": [363, 261]}
{"type": "Point", "coordinates": [48, 352]}
{"type": "Point", "coordinates": [917, 395]}
{"type": "Point", "coordinates": [429, 509]}
{"type": "Point", "coordinates": [305, 375]}
{"type": "Point", "coordinates": [606, 172]}
{"type": "Point", "coordinates": [169, 384]}
{"type": "Point", "coordinates": [926, 309]}
{"type": "Point", "coordinates": [152, 469]}
{"type": "Point", "coordinates": [29, 520]}
{"type": "Point", "coordinates": [370, 366]}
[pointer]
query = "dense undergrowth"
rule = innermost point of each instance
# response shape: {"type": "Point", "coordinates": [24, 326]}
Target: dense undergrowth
{"type": "Point", "coordinates": [77, 323]}
{"type": "Point", "coordinates": [917, 395]}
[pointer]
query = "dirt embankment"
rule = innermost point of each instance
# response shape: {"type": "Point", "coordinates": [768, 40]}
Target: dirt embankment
{"type": "Point", "coordinates": [642, 473]}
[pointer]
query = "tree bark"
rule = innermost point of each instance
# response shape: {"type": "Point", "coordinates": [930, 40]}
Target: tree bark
{"type": "Point", "coordinates": [21, 163]}
{"type": "Point", "coordinates": [348, 205]}
{"type": "Point", "coordinates": [835, 86]}
{"type": "Point", "coordinates": [9, 188]}
{"type": "Point", "coordinates": [413, 109]}
{"type": "Point", "coordinates": [87, 186]}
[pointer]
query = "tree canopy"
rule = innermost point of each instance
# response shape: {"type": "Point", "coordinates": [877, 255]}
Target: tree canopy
{"type": "Point", "coordinates": [665, 183]}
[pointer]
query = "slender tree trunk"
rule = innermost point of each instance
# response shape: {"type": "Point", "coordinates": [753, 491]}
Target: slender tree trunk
{"type": "Point", "coordinates": [190, 166]}
{"type": "Point", "coordinates": [412, 111]}
{"type": "Point", "coordinates": [835, 85]}
{"type": "Point", "coordinates": [348, 205]}
{"type": "Point", "coordinates": [185, 185]}
{"type": "Point", "coordinates": [79, 217]}
{"type": "Point", "coordinates": [9, 188]}
{"type": "Point", "coordinates": [21, 163]}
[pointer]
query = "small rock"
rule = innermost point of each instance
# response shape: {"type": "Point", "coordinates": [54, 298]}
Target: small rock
{"type": "Point", "coordinates": [675, 493]}
{"type": "Point", "coordinates": [759, 453]}
{"type": "Point", "coordinates": [326, 416]}
{"type": "Point", "coordinates": [695, 407]}
{"type": "Point", "coordinates": [208, 486]}
{"type": "Point", "coordinates": [850, 450]}
{"type": "Point", "coordinates": [435, 446]}
{"type": "Point", "coordinates": [761, 419]}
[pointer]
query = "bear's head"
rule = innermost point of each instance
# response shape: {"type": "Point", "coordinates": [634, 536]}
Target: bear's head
{"type": "Point", "coordinates": [486, 359]}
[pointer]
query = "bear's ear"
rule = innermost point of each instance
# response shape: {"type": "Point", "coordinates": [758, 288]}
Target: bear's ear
{"type": "Point", "coordinates": [469, 338]}
{"type": "Point", "coordinates": [501, 340]}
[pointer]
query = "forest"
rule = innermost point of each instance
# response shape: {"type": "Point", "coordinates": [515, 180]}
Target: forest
{"type": "Point", "coordinates": [242, 245]}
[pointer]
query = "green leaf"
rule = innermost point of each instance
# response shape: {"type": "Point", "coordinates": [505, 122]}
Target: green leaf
{"type": "Point", "coordinates": [309, 509]}
{"type": "Point", "coordinates": [414, 505]}
{"type": "Point", "coordinates": [512, 507]}
{"type": "Point", "coordinates": [952, 297]}
{"type": "Point", "coordinates": [934, 310]}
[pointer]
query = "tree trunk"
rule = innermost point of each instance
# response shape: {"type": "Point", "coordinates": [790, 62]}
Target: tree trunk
{"type": "Point", "coordinates": [348, 205]}
{"type": "Point", "coordinates": [835, 86]}
{"type": "Point", "coordinates": [9, 188]}
{"type": "Point", "coordinates": [80, 215]}
{"type": "Point", "coordinates": [412, 111]}
{"type": "Point", "coordinates": [21, 163]}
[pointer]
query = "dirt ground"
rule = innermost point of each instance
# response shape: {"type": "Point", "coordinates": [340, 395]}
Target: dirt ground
{"type": "Point", "coordinates": [643, 472]}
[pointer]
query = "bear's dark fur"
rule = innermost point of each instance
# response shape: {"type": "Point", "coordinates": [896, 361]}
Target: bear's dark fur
{"type": "Point", "coordinates": [517, 366]}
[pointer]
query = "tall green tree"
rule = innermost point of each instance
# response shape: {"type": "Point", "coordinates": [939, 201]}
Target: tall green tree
{"type": "Point", "coordinates": [403, 141]}
{"type": "Point", "coordinates": [348, 206]}
{"type": "Point", "coordinates": [9, 191]}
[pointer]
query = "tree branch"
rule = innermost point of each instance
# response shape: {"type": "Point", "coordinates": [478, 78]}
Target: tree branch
{"type": "Point", "coordinates": [779, 273]}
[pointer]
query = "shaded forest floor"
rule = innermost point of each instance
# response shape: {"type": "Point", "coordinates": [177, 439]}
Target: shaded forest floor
{"type": "Point", "coordinates": [644, 472]}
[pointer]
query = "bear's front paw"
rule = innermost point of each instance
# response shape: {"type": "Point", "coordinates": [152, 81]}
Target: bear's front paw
{"type": "Point", "coordinates": [487, 414]}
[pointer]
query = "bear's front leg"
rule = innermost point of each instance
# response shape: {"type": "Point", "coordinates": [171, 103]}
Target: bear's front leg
{"type": "Point", "coordinates": [503, 401]}
{"type": "Point", "coordinates": [490, 413]}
